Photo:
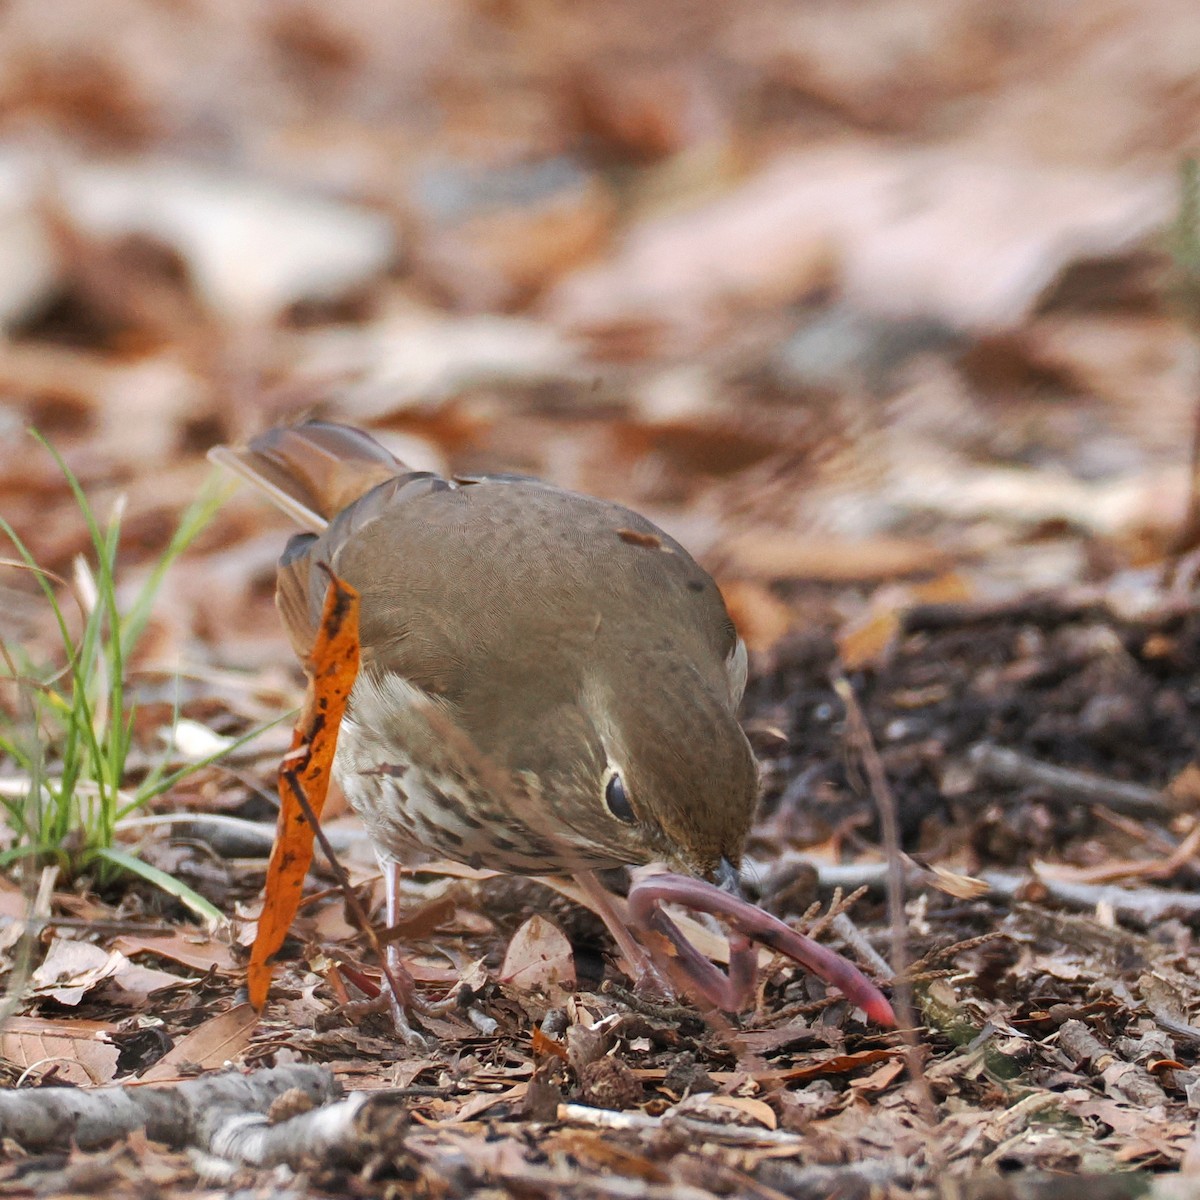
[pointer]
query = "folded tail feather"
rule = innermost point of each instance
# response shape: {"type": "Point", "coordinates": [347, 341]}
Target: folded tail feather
{"type": "Point", "coordinates": [311, 471]}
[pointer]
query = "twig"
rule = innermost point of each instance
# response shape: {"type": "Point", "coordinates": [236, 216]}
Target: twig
{"type": "Point", "coordinates": [853, 937]}
{"type": "Point", "coordinates": [234, 837]}
{"type": "Point", "coordinates": [999, 765]}
{"type": "Point", "coordinates": [859, 736]}
{"type": "Point", "coordinates": [1141, 907]}
{"type": "Point", "coordinates": [675, 1014]}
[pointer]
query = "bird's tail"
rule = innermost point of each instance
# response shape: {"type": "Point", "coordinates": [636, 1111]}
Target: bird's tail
{"type": "Point", "coordinates": [311, 471]}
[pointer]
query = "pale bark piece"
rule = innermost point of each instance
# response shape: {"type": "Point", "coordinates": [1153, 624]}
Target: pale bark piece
{"type": "Point", "coordinates": [253, 1142]}
{"type": "Point", "coordinates": [188, 1114]}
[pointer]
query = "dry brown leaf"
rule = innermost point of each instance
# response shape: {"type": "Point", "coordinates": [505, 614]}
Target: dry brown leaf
{"type": "Point", "coordinates": [961, 887]}
{"type": "Point", "coordinates": [183, 946]}
{"type": "Point", "coordinates": [838, 1064]}
{"type": "Point", "coordinates": [539, 957]}
{"type": "Point", "coordinates": [71, 969]}
{"type": "Point", "coordinates": [880, 1079]}
{"type": "Point", "coordinates": [760, 616]}
{"type": "Point", "coordinates": [1184, 789]}
{"type": "Point", "coordinates": [780, 554]}
{"type": "Point", "coordinates": [482, 1101]}
{"type": "Point", "coordinates": [866, 639]}
{"type": "Point", "coordinates": [594, 1151]}
{"type": "Point", "coordinates": [217, 1041]}
{"type": "Point", "coordinates": [756, 1110]}
{"type": "Point", "coordinates": [906, 232]}
{"type": "Point", "coordinates": [74, 1048]}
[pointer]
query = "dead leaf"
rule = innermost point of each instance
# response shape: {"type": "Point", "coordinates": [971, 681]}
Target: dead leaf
{"type": "Point", "coordinates": [782, 554]}
{"type": "Point", "coordinates": [302, 245]}
{"type": "Point", "coordinates": [182, 946]}
{"type": "Point", "coordinates": [757, 1110]}
{"type": "Point", "coordinates": [585, 1146]}
{"type": "Point", "coordinates": [1184, 789]}
{"type": "Point", "coordinates": [953, 883]}
{"type": "Point", "coordinates": [542, 1045]}
{"type": "Point", "coordinates": [332, 669]}
{"type": "Point", "coordinates": [880, 1079]}
{"type": "Point", "coordinates": [761, 617]}
{"type": "Point", "coordinates": [211, 1045]}
{"type": "Point", "coordinates": [838, 1064]}
{"type": "Point", "coordinates": [539, 957]}
{"type": "Point", "coordinates": [867, 639]}
{"type": "Point", "coordinates": [71, 969]}
{"type": "Point", "coordinates": [73, 1047]}
{"type": "Point", "coordinates": [482, 1101]}
{"type": "Point", "coordinates": [899, 230]}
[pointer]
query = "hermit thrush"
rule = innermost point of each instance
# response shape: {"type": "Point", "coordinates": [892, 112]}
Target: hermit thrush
{"type": "Point", "coordinates": [548, 681]}
{"type": "Point", "coordinates": [548, 685]}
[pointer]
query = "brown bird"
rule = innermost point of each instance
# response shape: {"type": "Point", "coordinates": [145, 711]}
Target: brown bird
{"type": "Point", "coordinates": [548, 681]}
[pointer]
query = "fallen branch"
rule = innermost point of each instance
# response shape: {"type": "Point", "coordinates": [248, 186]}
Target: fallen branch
{"type": "Point", "coordinates": [998, 765]}
{"type": "Point", "coordinates": [1140, 907]}
{"type": "Point", "coordinates": [191, 1113]}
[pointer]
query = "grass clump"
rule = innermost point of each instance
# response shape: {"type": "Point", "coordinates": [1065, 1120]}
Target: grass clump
{"type": "Point", "coordinates": [70, 736]}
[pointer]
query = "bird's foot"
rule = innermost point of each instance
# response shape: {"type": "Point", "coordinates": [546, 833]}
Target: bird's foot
{"type": "Point", "coordinates": [748, 924]}
{"type": "Point", "coordinates": [402, 998]}
{"type": "Point", "coordinates": [404, 1030]}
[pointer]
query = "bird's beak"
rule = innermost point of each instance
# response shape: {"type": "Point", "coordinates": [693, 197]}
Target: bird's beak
{"type": "Point", "coordinates": [727, 877]}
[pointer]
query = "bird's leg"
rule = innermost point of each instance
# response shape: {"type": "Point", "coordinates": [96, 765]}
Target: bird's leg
{"type": "Point", "coordinates": [749, 924]}
{"type": "Point", "coordinates": [400, 986]}
{"type": "Point", "coordinates": [646, 975]}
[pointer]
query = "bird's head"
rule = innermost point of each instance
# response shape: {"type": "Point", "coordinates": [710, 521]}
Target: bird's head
{"type": "Point", "coordinates": [657, 772]}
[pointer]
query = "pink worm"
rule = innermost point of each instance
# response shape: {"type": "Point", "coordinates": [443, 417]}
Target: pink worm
{"type": "Point", "coordinates": [749, 924]}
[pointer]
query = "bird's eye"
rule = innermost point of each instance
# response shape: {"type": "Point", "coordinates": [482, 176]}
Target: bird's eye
{"type": "Point", "coordinates": [617, 800]}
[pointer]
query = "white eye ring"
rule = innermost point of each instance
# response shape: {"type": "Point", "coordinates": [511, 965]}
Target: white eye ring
{"type": "Point", "coordinates": [617, 799]}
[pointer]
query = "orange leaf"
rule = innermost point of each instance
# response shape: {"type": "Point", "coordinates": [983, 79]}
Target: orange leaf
{"type": "Point", "coordinates": [838, 1064]}
{"type": "Point", "coordinates": [331, 669]}
{"type": "Point", "coordinates": [543, 1044]}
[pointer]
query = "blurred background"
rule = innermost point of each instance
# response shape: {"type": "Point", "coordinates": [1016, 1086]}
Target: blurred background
{"type": "Point", "coordinates": [867, 301]}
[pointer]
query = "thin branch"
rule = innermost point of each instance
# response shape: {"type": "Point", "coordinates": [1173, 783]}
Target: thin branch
{"type": "Point", "coordinates": [859, 737]}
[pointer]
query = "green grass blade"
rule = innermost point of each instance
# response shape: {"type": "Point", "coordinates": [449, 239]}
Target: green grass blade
{"type": "Point", "coordinates": [82, 709]}
{"type": "Point", "coordinates": [154, 787]}
{"type": "Point", "coordinates": [192, 523]}
{"type": "Point", "coordinates": [212, 916]}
